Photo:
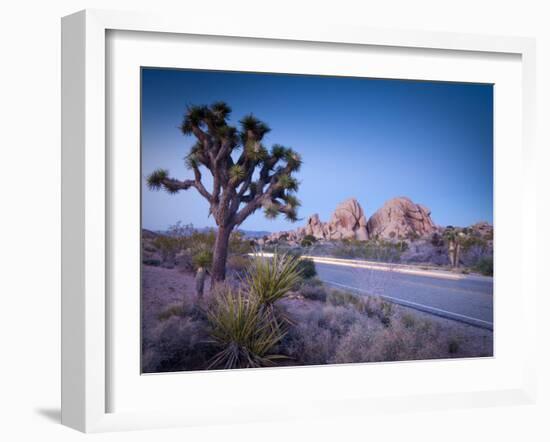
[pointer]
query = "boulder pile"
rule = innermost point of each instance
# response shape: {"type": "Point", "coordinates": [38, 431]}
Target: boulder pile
{"type": "Point", "coordinates": [401, 218]}
{"type": "Point", "coordinates": [398, 218]}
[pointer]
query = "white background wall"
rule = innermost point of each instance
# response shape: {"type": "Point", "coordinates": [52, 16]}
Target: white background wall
{"type": "Point", "coordinates": [30, 219]}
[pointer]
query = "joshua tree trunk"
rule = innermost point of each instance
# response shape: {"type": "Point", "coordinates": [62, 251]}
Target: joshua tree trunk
{"type": "Point", "coordinates": [454, 253]}
{"type": "Point", "coordinates": [199, 281]}
{"type": "Point", "coordinates": [221, 247]}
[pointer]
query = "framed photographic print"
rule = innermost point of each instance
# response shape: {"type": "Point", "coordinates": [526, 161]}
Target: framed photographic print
{"type": "Point", "coordinates": [273, 223]}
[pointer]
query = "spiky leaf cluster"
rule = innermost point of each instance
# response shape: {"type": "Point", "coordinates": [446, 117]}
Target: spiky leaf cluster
{"type": "Point", "coordinates": [288, 182]}
{"type": "Point", "coordinates": [156, 179]}
{"type": "Point", "coordinates": [271, 209]}
{"type": "Point", "coordinates": [245, 332]}
{"type": "Point", "coordinates": [237, 173]}
{"type": "Point", "coordinates": [253, 128]}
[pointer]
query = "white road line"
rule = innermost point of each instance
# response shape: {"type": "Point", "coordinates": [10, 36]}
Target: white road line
{"type": "Point", "coordinates": [415, 304]}
{"type": "Point", "coordinates": [375, 266]}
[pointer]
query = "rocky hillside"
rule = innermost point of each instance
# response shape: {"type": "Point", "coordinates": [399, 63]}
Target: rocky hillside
{"type": "Point", "coordinates": [398, 218]}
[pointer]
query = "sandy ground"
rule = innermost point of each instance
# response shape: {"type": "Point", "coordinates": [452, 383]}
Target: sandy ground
{"type": "Point", "coordinates": [163, 288]}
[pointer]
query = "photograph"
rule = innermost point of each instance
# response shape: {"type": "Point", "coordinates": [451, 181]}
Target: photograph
{"type": "Point", "coordinates": [302, 220]}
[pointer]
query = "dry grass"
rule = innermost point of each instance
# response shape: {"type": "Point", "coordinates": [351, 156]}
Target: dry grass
{"type": "Point", "coordinates": [327, 326]}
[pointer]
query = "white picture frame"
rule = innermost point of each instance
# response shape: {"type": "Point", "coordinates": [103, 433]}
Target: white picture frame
{"type": "Point", "coordinates": [85, 209]}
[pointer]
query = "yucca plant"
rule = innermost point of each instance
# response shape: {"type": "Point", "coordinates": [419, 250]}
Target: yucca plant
{"type": "Point", "coordinates": [244, 330]}
{"type": "Point", "coordinates": [270, 279]}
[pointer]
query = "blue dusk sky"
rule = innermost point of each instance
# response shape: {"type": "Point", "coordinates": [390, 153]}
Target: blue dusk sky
{"type": "Point", "coordinates": [370, 139]}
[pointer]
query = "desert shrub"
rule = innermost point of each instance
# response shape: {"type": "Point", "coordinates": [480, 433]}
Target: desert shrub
{"type": "Point", "coordinates": [339, 319]}
{"type": "Point", "coordinates": [385, 251]}
{"type": "Point", "coordinates": [401, 246]}
{"type": "Point", "coordinates": [168, 247]}
{"type": "Point", "coordinates": [485, 266]}
{"type": "Point", "coordinates": [184, 261]}
{"type": "Point", "coordinates": [245, 332]}
{"type": "Point", "coordinates": [306, 267]}
{"type": "Point", "coordinates": [314, 292]}
{"type": "Point", "coordinates": [355, 346]}
{"type": "Point", "coordinates": [200, 240]}
{"type": "Point", "coordinates": [394, 343]}
{"type": "Point", "coordinates": [374, 249]}
{"type": "Point", "coordinates": [334, 334]}
{"type": "Point", "coordinates": [272, 279]}
{"type": "Point", "coordinates": [180, 230]}
{"type": "Point", "coordinates": [152, 262]}
{"type": "Point", "coordinates": [173, 310]}
{"type": "Point", "coordinates": [408, 320]}
{"type": "Point", "coordinates": [238, 244]}
{"type": "Point", "coordinates": [337, 297]}
{"type": "Point", "coordinates": [308, 241]}
{"type": "Point", "coordinates": [361, 304]}
{"type": "Point", "coordinates": [308, 344]}
{"type": "Point", "coordinates": [176, 344]}
{"type": "Point", "coordinates": [341, 332]}
{"type": "Point", "coordinates": [202, 258]}
{"type": "Point", "coordinates": [313, 339]}
{"type": "Point", "coordinates": [313, 282]}
{"type": "Point", "coordinates": [424, 251]}
{"type": "Point", "coordinates": [437, 240]}
{"type": "Point", "coordinates": [472, 240]}
{"type": "Point", "coordinates": [371, 306]}
{"type": "Point", "coordinates": [385, 312]}
{"type": "Point", "coordinates": [412, 236]}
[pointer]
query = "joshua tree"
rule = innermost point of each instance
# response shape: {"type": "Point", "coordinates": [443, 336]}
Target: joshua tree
{"type": "Point", "coordinates": [241, 183]}
{"type": "Point", "coordinates": [457, 239]}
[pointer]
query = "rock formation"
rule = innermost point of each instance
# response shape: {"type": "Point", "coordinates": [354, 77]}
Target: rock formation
{"type": "Point", "coordinates": [400, 218]}
{"type": "Point", "coordinates": [483, 229]}
{"type": "Point", "coordinates": [315, 227]}
{"type": "Point", "coordinates": [347, 222]}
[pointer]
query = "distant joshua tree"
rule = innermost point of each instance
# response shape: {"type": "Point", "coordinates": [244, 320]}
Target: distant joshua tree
{"type": "Point", "coordinates": [458, 240]}
{"type": "Point", "coordinates": [241, 184]}
{"type": "Point", "coordinates": [452, 238]}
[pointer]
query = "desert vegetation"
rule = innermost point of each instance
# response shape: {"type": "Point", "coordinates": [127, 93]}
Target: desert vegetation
{"type": "Point", "coordinates": [272, 315]}
{"type": "Point", "coordinates": [451, 248]}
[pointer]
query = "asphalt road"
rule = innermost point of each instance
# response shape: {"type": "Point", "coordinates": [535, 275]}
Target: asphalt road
{"type": "Point", "coordinates": [468, 300]}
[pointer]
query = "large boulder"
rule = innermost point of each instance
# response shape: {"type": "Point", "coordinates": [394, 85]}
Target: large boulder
{"type": "Point", "coordinates": [314, 227]}
{"type": "Point", "coordinates": [347, 222]}
{"type": "Point", "coordinates": [400, 218]}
